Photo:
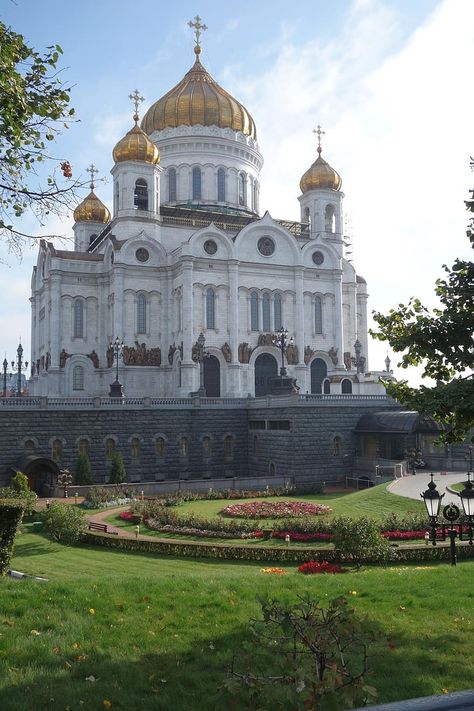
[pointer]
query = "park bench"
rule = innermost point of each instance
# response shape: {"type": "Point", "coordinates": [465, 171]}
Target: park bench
{"type": "Point", "coordinates": [102, 527]}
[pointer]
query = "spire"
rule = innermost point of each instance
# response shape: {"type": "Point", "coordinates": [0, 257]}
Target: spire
{"type": "Point", "coordinates": [198, 29]}
{"type": "Point", "coordinates": [319, 132]}
{"type": "Point", "coordinates": [136, 99]}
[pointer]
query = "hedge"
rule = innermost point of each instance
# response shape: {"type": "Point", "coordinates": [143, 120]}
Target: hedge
{"type": "Point", "coordinates": [11, 512]}
{"type": "Point", "coordinates": [189, 549]}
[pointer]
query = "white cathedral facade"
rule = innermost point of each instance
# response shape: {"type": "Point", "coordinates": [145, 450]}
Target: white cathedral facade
{"type": "Point", "coordinates": [186, 252]}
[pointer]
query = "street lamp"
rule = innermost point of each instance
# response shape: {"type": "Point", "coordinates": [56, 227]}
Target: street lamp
{"type": "Point", "coordinates": [5, 368]}
{"type": "Point", "coordinates": [280, 340]}
{"type": "Point", "coordinates": [116, 389]}
{"type": "Point", "coordinates": [199, 353]}
{"type": "Point", "coordinates": [18, 366]}
{"type": "Point", "coordinates": [432, 500]}
{"type": "Point", "coordinates": [65, 479]}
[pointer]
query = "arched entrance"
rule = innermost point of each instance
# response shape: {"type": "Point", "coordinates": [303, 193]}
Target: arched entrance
{"type": "Point", "coordinates": [212, 376]}
{"type": "Point", "coordinates": [266, 368]}
{"type": "Point", "coordinates": [42, 473]}
{"type": "Point", "coordinates": [319, 371]}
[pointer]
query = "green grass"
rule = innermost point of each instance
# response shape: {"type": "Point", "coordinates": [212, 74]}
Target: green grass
{"type": "Point", "coordinates": [164, 629]}
{"type": "Point", "coordinates": [459, 486]}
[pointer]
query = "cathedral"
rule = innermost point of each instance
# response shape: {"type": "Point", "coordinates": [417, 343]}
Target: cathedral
{"type": "Point", "coordinates": [186, 283]}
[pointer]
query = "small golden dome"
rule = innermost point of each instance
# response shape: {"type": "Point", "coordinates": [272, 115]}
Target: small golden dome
{"type": "Point", "coordinates": [198, 100]}
{"type": "Point", "coordinates": [320, 175]}
{"type": "Point", "coordinates": [91, 209]}
{"type": "Point", "coordinates": [136, 145]}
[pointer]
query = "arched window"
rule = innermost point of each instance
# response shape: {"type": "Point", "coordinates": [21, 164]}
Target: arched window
{"type": "Point", "coordinates": [346, 386]}
{"type": "Point", "coordinates": [116, 195]}
{"type": "Point", "coordinates": [78, 378]}
{"type": "Point", "coordinates": [29, 444]}
{"type": "Point", "coordinates": [109, 447]}
{"type": "Point", "coordinates": [266, 312]}
{"type": "Point", "coordinates": [56, 450]}
{"type": "Point", "coordinates": [271, 469]}
{"type": "Point", "coordinates": [210, 308]}
{"type": "Point", "coordinates": [337, 446]}
{"type": "Point", "coordinates": [221, 185]}
{"type": "Point", "coordinates": [277, 311]}
{"type": "Point", "coordinates": [206, 447]}
{"type": "Point", "coordinates": [330, 218]}
{"type": "Point", "coordinates": [183, 447]}
{"type": "Point", "coordinates": [135, 445]}
{"type": "Point", "coordinates": [78, 319]}
{"type": "Point", "coordinates": [254, 311]}
{"type": "Point", "coordinates": [160, 447]}
{"type": "Point", "coordinates": [318, 315]}
{"type": "Point", "coordinates": [326, 387]}
{"type": "Point", "coordinates": [242, 189]}
{"type": "Point", "coordinates": [140, 196]}
{"type": "Point", "coordinates": [92, 238]}
{"type": "Point", "coordinates": [83, 446]}
{"type": "Point", "coordinates": [307, 216]}
{"type": "Point", "coordinates": [196, 183]}
{"type": "Point", "coordinates": [228, 448]}
{"type": "Point", "coordinates": [141, 313]}
{"type": "Point", "coordinates": [172, 185]}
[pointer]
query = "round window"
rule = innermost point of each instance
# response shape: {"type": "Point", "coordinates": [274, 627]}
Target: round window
{"type": "Point", "coordinates": [210, 246]}
{"type": "Point", "coordinates": [318, 258]}
{"type": "Point", "coordinates": [142, 254]}
{"type": "Point", "coordinates": [266, 246]}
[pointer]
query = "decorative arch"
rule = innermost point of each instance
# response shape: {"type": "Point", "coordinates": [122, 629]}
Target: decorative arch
{"type": "Point", "coordinates": [319, 371]}
{"type": "Point", "coordinates": [78, 378]}
{"type": "Point", "coordinates": [266, 368]}
{"type": "Point", "coordinates": [212, 376]}
{"type": "Point", "coordinates": [346, 386]}
{"type": "Point", "coordinates": [330, 218]}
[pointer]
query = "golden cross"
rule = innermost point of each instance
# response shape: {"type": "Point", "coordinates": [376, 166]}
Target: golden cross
{"type": "Point", "coordinates": [198, 28]}
{"type": "Point", "coordinates": [136, 100]}
{"type": "Point", "coordinates": [92, 170]}
{"type": "Point", "coordinates": [319, 133]}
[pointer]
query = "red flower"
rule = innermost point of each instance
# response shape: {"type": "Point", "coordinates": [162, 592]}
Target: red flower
{"type": "Point", "coordinates": [315, 566]}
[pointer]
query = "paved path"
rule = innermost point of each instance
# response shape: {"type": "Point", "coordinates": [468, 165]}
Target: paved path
{"type": "Point", "coordinates": [412, 486]}
{"type": "Point", "coordinates": [100, 518]}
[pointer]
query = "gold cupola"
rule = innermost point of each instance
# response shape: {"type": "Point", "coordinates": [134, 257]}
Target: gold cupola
{"type": "Point", "coordinates": [136, 145]}
{"type": "Point", "coordinates": [198, 100]}
{"type": "Point", "coordinates": [91, 209]}
{"type": "Point", "coordinates": [320, 174]}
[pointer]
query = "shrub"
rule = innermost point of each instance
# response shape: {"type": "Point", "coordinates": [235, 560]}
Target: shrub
{"type": "Point", "coordinates": [19, 482]}
{"type": "Point", "coordinates": [359, 540]}
{"type": "Point", "coordinates": [117, 474]}
{"type": "Point", "coordinates": [83, 473]}
{"type": "Point", "coordinates": [28, 498]}
{"type": "Point", "coordinates": [99, 496]}
{"type": "Point", "coordinates": [302, 655]}
{"type": "Point", "coordinates": [63, 522]}
{"type": "Point", "coordinates": [11, 512]}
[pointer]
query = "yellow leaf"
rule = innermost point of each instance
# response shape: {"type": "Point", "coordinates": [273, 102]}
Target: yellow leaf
{"type": "Point", "coordinates": [91, 611]}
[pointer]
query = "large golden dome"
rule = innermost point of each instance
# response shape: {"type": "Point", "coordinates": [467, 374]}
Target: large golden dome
{"type": "Point", "coordinates": [91, 209]}
{"type": "Point", "coordinates": [136, 145]}
{"type": "Point", "coordinates": [320, 175]}
{"type": "Point", "coordinates": [198, 100]}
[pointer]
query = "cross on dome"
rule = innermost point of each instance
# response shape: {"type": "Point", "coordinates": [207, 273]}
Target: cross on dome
{"type": "Point", "coordinates": [198, 28]}
{"type": "Point", "coordinates": [319, 132]}
{"type": "Point", "coordinates": [136, 100]}
{"type": "Point", "coordinates": [92, 170]}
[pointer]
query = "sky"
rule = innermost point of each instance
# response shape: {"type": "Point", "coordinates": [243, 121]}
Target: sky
{"type": "Point", "coordinates": [388, 80]}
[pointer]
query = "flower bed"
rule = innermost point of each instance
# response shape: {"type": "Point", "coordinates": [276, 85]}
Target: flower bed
{"type": "Point", "coordinates": [274, 509]}
{"type": "Point", "coordinates": [306, 537]}
{"type": "Point", "coordinates": [315, 566]}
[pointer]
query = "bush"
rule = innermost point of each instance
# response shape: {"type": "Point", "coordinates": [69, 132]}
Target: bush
{"type": "Point", "coordinates": [63, 522]}
{"type": "Point", "coordinates": [359, 541]}
{"type": "Point", "coordinates": [83, 473]}
{"type": "Point", "coordinates": [19, 482]}
{"type": "Point", "coordinates": [99, 496]}
{"type": "Point", "coordinates": [28, 498]}
{"type": "Point", "coordinates": [117, 474]}
{"type": "Point", "coordinates": [11, 512]}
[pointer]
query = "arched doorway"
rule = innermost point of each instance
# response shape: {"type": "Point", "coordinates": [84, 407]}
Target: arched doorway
{"type": "Point", "coordinates": [319, 371]}
{"type": "Point", "coordinates": [266, 368]}
{"type": "Point", "coordinates": [42, 473]}
{"type": "Point", "coordinates": [212, 376]}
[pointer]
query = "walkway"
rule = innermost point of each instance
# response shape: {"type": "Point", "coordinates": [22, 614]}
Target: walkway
{"type": "Point", "coordinates": [412, 486]}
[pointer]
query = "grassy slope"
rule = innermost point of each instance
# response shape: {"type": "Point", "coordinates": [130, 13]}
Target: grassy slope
{"type": "Point", "coordinates": [164, 629]}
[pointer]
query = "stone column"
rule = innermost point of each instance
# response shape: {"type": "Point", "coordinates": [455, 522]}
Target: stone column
{"type": "Point", "coordinates": [233, 368]}
{"type": "Point", "coordinates": [118, 303]}
{"type": "Point", "coordinates": [55, 320]}
{"type": "Point", "coordinates": [188, 367]}
{"type": "Point", "coordinates": [338, 320]}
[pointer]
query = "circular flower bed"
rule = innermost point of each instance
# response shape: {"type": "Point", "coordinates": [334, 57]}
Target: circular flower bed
{"type": "Point", "coordinates": [275, 509]}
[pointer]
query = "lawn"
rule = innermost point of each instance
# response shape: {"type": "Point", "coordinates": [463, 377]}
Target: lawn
{"type": "Point", "coordinates": [145, 632]}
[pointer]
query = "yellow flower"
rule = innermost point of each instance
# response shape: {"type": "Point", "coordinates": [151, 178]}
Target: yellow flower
{"type": "Point", "coordinates": [352, 592]}
{"type": "Point", "coordinates": [107, 704]}
{"type": "Point", "coordinates": [76, 645]}
{"type": "Point", "coordinates": [91, 611]}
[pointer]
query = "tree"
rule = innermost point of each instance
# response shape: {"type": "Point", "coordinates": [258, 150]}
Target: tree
{"type": "Point", "coordinates": [442, 341]}
{"type": "Point", "coordinates": [117, 473]}
{"type": "Point", "coordinates": [83, 469]}
{"type": "Point", "coordinates": [34, 107]}
{"type": "Point", "coordinates": [63, 522]}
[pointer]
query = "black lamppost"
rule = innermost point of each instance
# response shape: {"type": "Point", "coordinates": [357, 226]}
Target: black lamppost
{"type": "Point", "coordinates": [116, 388]}
{"type": "Point", "coordinates": [199, 353]}
{"type": "Point", "coordinates": [432, 499]}
{"type": "Point", "coordinates": [5, 368]}
{"type": "Point", "coordinates": [20, 363]}
{"type": "Point", "coordinates": [280, 340]}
